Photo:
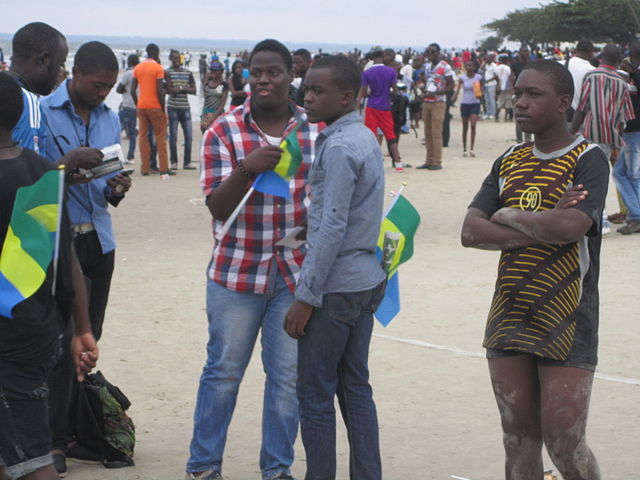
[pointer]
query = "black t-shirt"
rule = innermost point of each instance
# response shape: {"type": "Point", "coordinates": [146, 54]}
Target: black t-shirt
{"type": "Point", "coordinates": [517, 67]}
{"type": "Point", "coordinates": [29, 337]}
{"type": "Point", "coordinates": [546, 296]}
{"type": "Point", "coordinates": [634, 125]}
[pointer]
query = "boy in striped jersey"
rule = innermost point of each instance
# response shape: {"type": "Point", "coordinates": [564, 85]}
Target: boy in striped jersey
{"type": "Point", "coordinates": [541, 206]}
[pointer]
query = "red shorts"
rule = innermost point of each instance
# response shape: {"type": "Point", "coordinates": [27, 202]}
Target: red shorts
{"type": "Point", "coordinates": [382, 119]}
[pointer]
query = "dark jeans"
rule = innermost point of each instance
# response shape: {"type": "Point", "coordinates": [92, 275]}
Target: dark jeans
{"type": "Point", "coordinates": [333, 360]}
{"type": "Point", "coordinates": [129, 120]}
{"type": "Point", "coordinates": [25, 438]}
{"type": "Point", "coordinates": [97, 269]}
{"type": "Point", "coordinates": [183, 117]}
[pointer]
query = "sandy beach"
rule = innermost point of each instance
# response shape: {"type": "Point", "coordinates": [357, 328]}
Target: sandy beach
{"type": "Point", "coordinates": [437, 413]}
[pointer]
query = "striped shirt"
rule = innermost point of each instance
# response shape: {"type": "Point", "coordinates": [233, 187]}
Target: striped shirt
{"type": "Point", "coordinates": [30, 132]}
{"type": "Point", "coordinates": [607, 105]}
{"type": "Point", "coordinates": [546, 296]}
{"type": "Point", "coordinates": [247, 259]}
{"type": "Point", "coordinates": [179, 78]}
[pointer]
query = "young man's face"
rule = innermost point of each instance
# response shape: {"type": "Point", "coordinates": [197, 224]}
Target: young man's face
{"type": "Point", "coordinates": [48, 75]}
{"type": "Point", "coordinates": [92, 88]}
{"type": "Point", "coordinates": [433, 54]}
{"type": "Point", "coordinates": [300, 65]}
{"type": "Point", "coordinates": [269, 80]}
{"type": "Point", "coordinates": [175, 60]}
{"type": "Point", "coordinates": [538, 106]}
{"type": "Point", "coordinates": [324, 101]}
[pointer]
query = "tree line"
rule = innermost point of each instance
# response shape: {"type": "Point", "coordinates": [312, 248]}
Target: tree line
{"type": "Point", "coordinates": [597, 20]}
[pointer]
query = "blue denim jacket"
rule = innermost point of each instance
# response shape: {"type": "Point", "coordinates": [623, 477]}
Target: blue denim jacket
{"type": "Point", "coordinates": [347, 195]}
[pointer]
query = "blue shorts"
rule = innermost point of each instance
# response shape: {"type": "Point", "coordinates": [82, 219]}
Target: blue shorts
{"type": "Point", "coordinates": [468, 109]}
{"type": "Point", "coordinates": [25, 439]}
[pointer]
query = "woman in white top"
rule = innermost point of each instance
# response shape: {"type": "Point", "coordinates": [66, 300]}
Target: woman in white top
{"type": "Point", "coordinates": [471, 84]}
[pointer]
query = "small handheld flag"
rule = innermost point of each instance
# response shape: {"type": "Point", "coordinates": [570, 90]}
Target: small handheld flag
{"type": "Point", "coordinates": [276, 181]}
{"type": "Point", "coordinates": [31, 242]}
{"type": "Point", "coordinates": [395, 246]}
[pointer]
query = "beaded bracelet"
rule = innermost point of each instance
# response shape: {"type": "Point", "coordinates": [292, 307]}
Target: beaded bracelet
{"type": "Point", "coordinates": [244, 170]}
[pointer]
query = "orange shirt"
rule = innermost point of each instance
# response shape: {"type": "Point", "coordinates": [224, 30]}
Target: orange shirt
{"type": "Point", "coordinates": [147, 73]}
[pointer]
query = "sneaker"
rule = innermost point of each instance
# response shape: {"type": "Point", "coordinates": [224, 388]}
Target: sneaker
{"type": "Point", "coordinates": [465, 154]}
{"type": "Point", "coordinates": [60, 464]}
{"type": "Point", "coordinates": [188, 166]}
{"type": "Point", "coordinates": [168, 172]}
{"type": "Point", "coordinates": [282, 476]}
{"type": "Point", "coordinates": [208, 475]}
{"type": "Point", "coordinates": [399, 169]}
{"type": "Point", "coordinates": [174, 166]}
{"type": "Point", "coordinates": [130, 161]}
{"type": "Point", "coordinates": [472, 154]}
{"type": "Point", "coordinates": [155, 170]}
{"type": "Point", "coordinates": [633, 226]}
{"type": "Point", "coordinates": [424, 166]}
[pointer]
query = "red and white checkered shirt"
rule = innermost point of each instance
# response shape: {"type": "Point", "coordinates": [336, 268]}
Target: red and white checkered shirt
{"type": "Point", "coordinates": [246, 259]}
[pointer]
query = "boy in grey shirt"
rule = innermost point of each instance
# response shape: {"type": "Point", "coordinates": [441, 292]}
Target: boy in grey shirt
{"type": "Point", "coordinates": [341, 282]}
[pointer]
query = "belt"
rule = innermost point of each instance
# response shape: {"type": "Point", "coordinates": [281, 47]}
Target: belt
{"type": "Point", "coordinates": [82, 228]}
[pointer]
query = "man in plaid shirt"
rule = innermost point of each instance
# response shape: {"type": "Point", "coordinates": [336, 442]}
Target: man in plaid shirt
{"type": "Point", "coordinates": [250, 279]}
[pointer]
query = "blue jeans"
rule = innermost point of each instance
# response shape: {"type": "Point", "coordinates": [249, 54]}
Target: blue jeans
{"type": "Point", "coordinates": [490, 99]}
{"type": "Point", "coordinates": [182, 116]}
{"type": "Point", "coordinates": [626, 174]}
{"type": "Point", "coordinates": [235, 319]}
{"type": "Point", "coordinates": [333, 358]}
{"type": "Point", "coordinates": [129, 120]}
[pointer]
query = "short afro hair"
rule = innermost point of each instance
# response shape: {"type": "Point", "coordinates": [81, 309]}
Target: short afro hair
{"type": "Point", "coordinates": [94, 57]}
{"type": "Point", "coordinates": [344, 71]}
{"type": "Point", "coordinates": [271, 45]}
{"type": "Point", "coordinates": [558, 74]}
{"type": "Point", "coordinates": [10, 102]}
{"type": "Point", "coordinates": [152, 50]}
{"type": "Point", "coordinates": [34, 38]}
{"type": "Point", "coordinates": [304, 53]}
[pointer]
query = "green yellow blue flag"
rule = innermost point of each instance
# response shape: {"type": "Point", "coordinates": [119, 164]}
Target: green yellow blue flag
{"type": "Point", "coordinates": [395, 246]}
{"type": "Point", "coordinates": [276, 181]}
{"type": "Point", "coordinates": [31, 242]}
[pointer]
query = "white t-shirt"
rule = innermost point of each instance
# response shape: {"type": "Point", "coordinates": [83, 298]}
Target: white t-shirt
{"type": "Point", "coordinates": [407, 75]}
{"type": "Point", "coordinates": [504, 74]}
{"type": "Point", "coordinates": [490, 74]}
{"type": "Point", "coordinates": [578, 67]}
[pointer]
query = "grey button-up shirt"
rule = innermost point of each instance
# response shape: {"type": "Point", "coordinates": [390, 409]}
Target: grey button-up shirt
{"type": "Point", "coordinates": [347, 195]}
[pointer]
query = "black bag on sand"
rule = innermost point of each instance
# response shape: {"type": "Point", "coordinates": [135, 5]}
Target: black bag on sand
{"type": "Point", "coordinates": [103, 431]}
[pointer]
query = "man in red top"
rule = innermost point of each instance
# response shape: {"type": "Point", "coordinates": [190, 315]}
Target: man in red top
{"type": "Point", "coordinates": [149, 76]}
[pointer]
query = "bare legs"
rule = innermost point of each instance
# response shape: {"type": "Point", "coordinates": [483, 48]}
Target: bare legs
{"type": "Point", "coordinates": [471, 119]}
{"type": "Point", "coordinates": [547, 405]}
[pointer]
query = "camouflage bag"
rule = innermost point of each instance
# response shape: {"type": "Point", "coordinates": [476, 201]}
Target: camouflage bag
{"type": "Point", "coordinates": [102, 426]}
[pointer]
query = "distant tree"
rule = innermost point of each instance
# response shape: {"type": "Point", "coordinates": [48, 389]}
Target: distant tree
{"type": "Point", "coordinates": [597, 20]}
{"type": "Point", "coordinates": [492, 42]}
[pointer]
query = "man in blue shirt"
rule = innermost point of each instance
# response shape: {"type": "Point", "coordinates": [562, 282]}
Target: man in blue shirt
{"type": "Point", "coordinates": [341, 281]}
{"type": "Point", "coordinates": [77, 117]}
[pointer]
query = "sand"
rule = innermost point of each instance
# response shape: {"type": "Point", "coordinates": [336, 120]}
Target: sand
{"type": "Point", "coordinates": [437, 413]}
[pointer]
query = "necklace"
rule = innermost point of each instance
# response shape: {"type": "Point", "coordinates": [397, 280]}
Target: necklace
{"type": "Point", "coordinates": [8, 146]}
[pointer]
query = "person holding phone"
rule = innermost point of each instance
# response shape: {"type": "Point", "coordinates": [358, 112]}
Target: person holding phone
{"type": "Point", "coordinates": [77, 116]}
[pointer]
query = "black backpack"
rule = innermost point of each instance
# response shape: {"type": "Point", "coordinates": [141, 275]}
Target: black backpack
{"type": "Point", "coordinates": [102, 427]}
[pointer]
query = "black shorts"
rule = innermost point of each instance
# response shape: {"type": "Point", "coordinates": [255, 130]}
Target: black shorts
{"type": "Point", "coordinates": [416, 106]}
{"type": "Point", "coordinates": [25, 439]}
{"type": "Point", "coordinates": [493, 353]}
{"type": "Point", "coordinates": [468, 109]}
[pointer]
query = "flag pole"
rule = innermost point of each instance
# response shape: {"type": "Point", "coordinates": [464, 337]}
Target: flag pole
{"type": "Point", "coordinates": [56, 250]}
{"type": "Point", "coordinates": [395, 196]}
{"type": "Point", "coordinates": [232, 218]}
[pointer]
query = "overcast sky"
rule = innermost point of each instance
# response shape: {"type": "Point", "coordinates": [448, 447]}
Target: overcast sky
{"type": "Point", "coordinates": [381, 22]}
